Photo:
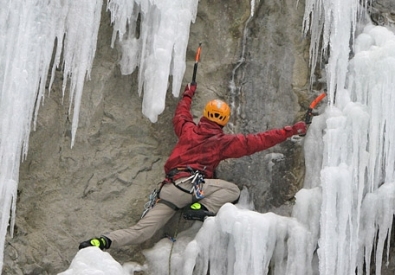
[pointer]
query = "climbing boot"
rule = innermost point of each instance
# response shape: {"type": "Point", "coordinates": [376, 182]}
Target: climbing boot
{"type": "Point", "coordinates": [101, 242]}
{"type": "Point", "coordinates": [197, 212]}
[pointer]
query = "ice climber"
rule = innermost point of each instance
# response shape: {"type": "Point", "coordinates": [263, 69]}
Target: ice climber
{"type": "Point", "coordinates": [189, 181]}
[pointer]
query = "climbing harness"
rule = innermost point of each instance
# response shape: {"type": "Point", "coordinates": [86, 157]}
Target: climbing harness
{"type": "Point", "coordinates": [154, 199]}
{"type": "Point", "coordinates": [196, 177]}
{"type": "Point", "coordinates": [197, 180]}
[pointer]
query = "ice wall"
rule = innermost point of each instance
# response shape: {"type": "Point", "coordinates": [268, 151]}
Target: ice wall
{"type": "Point", "coordinates": [29, 30]}
{"type": "Point", "coordinates": [356, 175]}
{"type": "Point", "coordinates": [371, 82]}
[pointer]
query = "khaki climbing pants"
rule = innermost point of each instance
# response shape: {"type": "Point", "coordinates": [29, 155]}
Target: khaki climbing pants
{"type": "Point", "coordinates": [216, 193]}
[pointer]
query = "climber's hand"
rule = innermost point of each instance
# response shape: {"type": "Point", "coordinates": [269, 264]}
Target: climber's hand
{"type": "Point", "coordinates": [190, 89]}
{"type": "Point", "coordinates": [298, 128]}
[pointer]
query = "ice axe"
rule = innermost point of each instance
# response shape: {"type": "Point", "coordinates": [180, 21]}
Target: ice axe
{"type": "Point", "coordinates": [309, 113]}
{"type": "Point", "coordinates": [197, 59]}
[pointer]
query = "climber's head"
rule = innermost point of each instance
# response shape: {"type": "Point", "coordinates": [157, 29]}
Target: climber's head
{"type": "Point", "coordinates": [217, 111]}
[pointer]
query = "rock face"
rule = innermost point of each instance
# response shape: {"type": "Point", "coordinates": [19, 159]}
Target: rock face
{"type": "Point", "coordinates": [383, 12]}
{"type": "Point", "coordinates": [67, 195]}
{"type": "Point", "coordinates": [271, 88]}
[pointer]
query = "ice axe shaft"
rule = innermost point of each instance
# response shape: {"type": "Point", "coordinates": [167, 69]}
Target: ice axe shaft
{"type": "Point", "coordinates": [195, 67]}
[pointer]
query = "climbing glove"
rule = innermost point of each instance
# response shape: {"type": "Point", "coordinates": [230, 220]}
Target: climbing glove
{"type": "Point", "coordinates": [190, 89]}
{"type": "Point", "coordinates": [298, 128]}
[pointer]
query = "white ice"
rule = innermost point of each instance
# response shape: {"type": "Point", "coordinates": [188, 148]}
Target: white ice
{"type": "Point", "coordinates": [358, 158]}
{"type": "Point", "coordinates": [236, 241]}
{"type": "Point", "coordinates": [28, 31]}
{"type": "Point", "coordinates": [35, 33]}
{"type": "Point", "coordinates": [160, 48]}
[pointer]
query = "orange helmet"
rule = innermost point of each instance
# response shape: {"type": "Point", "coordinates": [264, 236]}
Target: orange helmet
{"type": "Point", "coordinates": [218, 111]}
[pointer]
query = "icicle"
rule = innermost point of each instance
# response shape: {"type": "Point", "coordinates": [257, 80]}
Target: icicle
{"type": "Point", "coordinates": [79, 49]}
{"type": "Point", "coordinates": [33, 26]}
{"type": "Point", "coordinates": [358, 155]}
{"type": "Point", "coordinates": [160, 49]}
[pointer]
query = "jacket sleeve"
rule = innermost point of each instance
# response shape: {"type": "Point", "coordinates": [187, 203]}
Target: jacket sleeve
{"type": "Point", "coordinates": [183, 116]}
{"type": "Point", "coordinates": [236, 146]}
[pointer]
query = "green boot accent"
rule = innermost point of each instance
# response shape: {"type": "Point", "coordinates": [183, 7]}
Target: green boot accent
{"type": "Point", "coordinates": [102, 243]}
{"type": "Point", "coordinates": [197, 212]}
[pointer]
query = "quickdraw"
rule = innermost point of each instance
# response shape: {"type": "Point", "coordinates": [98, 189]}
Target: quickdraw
{"type": "Point", "coordinates": [197, 183]}
{"type": "Point", "coordinates": [153, 198]}
{"type": "Point", "coordinates": [197, 180]}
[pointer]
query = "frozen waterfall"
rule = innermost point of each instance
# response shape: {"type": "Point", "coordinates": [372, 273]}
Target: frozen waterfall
{"type": "Point", "coordinates": [345, 210]}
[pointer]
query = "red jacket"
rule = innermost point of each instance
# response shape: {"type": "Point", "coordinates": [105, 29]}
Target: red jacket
{"type": "Point", "coordinates": [204, 145]}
